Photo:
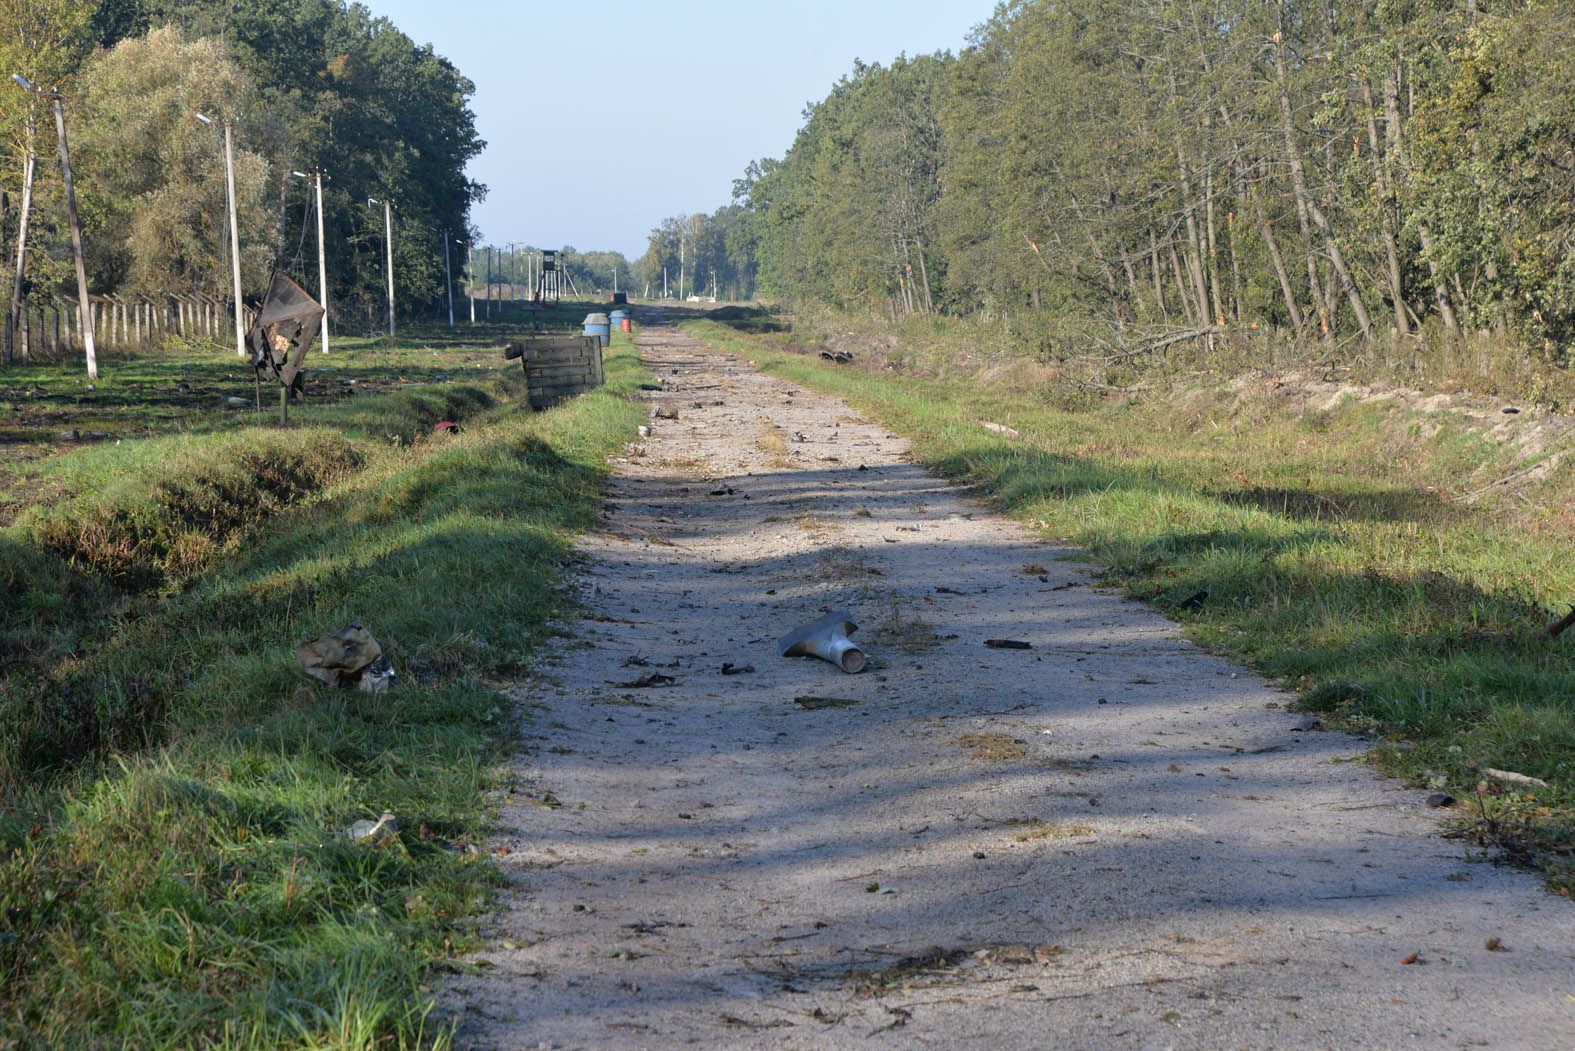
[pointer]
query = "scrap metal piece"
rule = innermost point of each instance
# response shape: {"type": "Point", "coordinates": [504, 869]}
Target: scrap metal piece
{"type": "Point", "coordinates": [350, 657]}
{"type": "Point", "coordinates": [283, 331]}
{"type": "Point", "coordinates": [827, 638]}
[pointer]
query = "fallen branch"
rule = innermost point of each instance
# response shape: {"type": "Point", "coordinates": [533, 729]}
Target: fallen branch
{"type": "Point", "coordinates": [1560, 627]}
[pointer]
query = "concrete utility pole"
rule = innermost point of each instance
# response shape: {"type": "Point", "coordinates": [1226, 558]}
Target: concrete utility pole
{"type": "Point", "coordinates": [316, 178]}
{"type": "Point", "coordinates": [681, 269]}
{"type": "Point", "coordinates": [84, 305]}
{"type": "Point", "coordinates": [29, 163]}
{"type": "Point", "coordinates": [388, 240]}
{"type": "Point", "coordinates": [235, 231]}
{"type": "Point", "coordinates": [448, 280]}
{"type": "Point", "coordinates": [470, 278]}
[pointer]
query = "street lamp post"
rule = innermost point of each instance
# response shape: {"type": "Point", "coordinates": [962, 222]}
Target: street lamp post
{"type": "Point", "coordinates": [235, 230]}
{"type": "Point", "coordinates": [388, 240]}
{"type": "Point", "coordinates": [84, 306]}
{"type": "Point", "coordinates": [316, 178]}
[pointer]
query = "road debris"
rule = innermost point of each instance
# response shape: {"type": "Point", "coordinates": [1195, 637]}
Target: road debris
{"type": "Point", "coordinates": [827, 638]}
{"type": "Point", "coordinates": [384, 828]}
{"type": "Point", "coordinates": [1008, 644]}
{"type": "Point", "coordinates": [815, 704]}
{"type": "Point", "coordinates": [1513, 778]}
{"type": "Point", "coordinates": [729, 668]}
{"type": "Point", "coordinates": [350, 657]}
{"type": "Point", "coordinates": [653, 681]}
{"type": "Point", "coordinates": [1000, 429]}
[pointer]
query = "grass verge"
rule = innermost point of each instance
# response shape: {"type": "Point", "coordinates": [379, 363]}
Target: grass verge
{"type": "Point", "coordinates": [1315, 547]}
{"type": "Point", "coordinates": [186, 882]}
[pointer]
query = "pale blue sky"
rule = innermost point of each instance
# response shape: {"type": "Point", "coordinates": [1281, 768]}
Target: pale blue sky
{"type": "Point", "coordinates": [603, 118]}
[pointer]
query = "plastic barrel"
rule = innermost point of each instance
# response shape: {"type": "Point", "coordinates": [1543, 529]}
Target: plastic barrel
{"type": "Point", "coordinates": [598, 325]}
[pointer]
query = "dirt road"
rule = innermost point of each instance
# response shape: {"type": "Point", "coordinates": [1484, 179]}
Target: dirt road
{"type": "Point", "coordinates": [1110, 839]}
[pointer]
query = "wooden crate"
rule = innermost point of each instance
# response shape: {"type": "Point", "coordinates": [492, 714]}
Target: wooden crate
{"type": "Point", "coordinates": [559, 367]}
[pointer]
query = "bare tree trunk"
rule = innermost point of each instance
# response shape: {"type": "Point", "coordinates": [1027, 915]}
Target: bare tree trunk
{"type": "Point", "coordinates": [924, 277]}
{"type": "Point", "coordinates": [1154, 269]}
{"type": "Point", "coordinates": [1280, 272]}
{"type": "Point", "coordinates": [1213, 270]}
{"type": "Point", "coordinates": [1389, 207]}
{"type": "Point", "coordinates": [1304, 198]}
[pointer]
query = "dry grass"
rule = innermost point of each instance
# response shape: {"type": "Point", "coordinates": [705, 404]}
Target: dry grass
{"type": "Point", "coordinates": [1033, 828]}
{"type": "Point", "coordinates": [994, 747]}
{"type": "Point", "coordinates": [903, 629]}
{"type": "Point", "coordinates": [774, 444]}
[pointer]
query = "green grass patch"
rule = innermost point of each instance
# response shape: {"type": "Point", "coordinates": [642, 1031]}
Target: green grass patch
{"type": "Point", "coordinates": [1315, 547]}
{"type": "Point", "coordinates": [173, 871]}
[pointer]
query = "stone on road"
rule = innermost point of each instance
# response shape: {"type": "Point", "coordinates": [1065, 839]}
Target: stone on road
{"type": "Point", "coordinates": [1110, 839]}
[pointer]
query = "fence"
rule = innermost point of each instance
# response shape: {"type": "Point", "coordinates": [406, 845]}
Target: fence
{"type": "Point", "coordinates": [51, 328]}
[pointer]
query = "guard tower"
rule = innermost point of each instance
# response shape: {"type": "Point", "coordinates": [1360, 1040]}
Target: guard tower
{"type": "Point", "coordinates": [548, 283]}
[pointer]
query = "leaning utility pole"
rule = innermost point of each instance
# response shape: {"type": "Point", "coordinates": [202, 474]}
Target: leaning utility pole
{"type": "Point", "coordinates": [235, 233]}
{"type": "Point", "coordinates": [316, 178]}
{"type": "Point", "coordinates": [388, 231]}
{"type": "Point", "coordinates": [29, 162]}
{"type": "Point", "coordinates": [84, 305]}
{"type": "Point", "coordinates": [235, 243]}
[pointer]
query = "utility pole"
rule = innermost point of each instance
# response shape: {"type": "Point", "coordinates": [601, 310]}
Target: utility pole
{"type": "Point", "coordinates": [388, 244]}
{"type": "Point", "coordinates": [615, 278]}
{"type": "Point", "coordinates": [84, 306]}
{"type": "Point", "coordinates": [470, 278]}
{"type": "Point", "coordinates": [448, 281]}
{"type": "Point", "coordinates": [235, 231]}
{"type": "Point", "coordinates": [29, 163]}
{"type": "Point", "coordinates": [489, 282]}
{"type": "Point", "coordinates": [681, 269]}
{"type": "Point", "coordinates": [316, 178]}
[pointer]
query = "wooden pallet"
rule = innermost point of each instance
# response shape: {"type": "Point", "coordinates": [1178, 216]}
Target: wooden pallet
{"type": "Point", "coordinates": [559, 367]}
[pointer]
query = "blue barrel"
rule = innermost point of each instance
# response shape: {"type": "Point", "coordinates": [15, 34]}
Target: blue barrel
{"type": "Point", "coordinates": [599, 325]}
{"type": "Point", "coordinates": [617, 317]}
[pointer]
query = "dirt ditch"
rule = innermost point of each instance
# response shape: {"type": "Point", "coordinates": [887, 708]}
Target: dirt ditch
{"type": "Point", "coordinates": [1108, 838]}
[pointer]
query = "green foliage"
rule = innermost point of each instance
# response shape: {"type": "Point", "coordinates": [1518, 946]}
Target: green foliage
{"type": "Point", "coordinates": [1332, 172]}
{"type": "Point", "coordinates": [312, 84]}
{"type": "Point", "coordinates": [704, 252]}
{"type": "Point", "coordinates": [153, 179]}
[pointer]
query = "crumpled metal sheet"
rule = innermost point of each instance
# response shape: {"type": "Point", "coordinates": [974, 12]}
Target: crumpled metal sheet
{"type": "Point", "coordinates": [350, 657]}
{"type": "Point", "coordinates": [284, 330]}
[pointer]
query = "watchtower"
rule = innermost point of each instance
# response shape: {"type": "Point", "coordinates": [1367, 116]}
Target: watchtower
{"type": "Point", "coordinates": [548, 283]}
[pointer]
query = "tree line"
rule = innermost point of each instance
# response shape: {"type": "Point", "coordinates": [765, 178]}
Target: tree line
{"type": "Point", "coordinates": [699, 254]}
{"type": "Point", "coordinates": [1337, 170]}
{"type": "Point", "coordinates": [308, 86]}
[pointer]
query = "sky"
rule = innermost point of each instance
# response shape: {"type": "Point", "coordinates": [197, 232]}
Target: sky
{"type": "Point", "coordinates": [602, 119]}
